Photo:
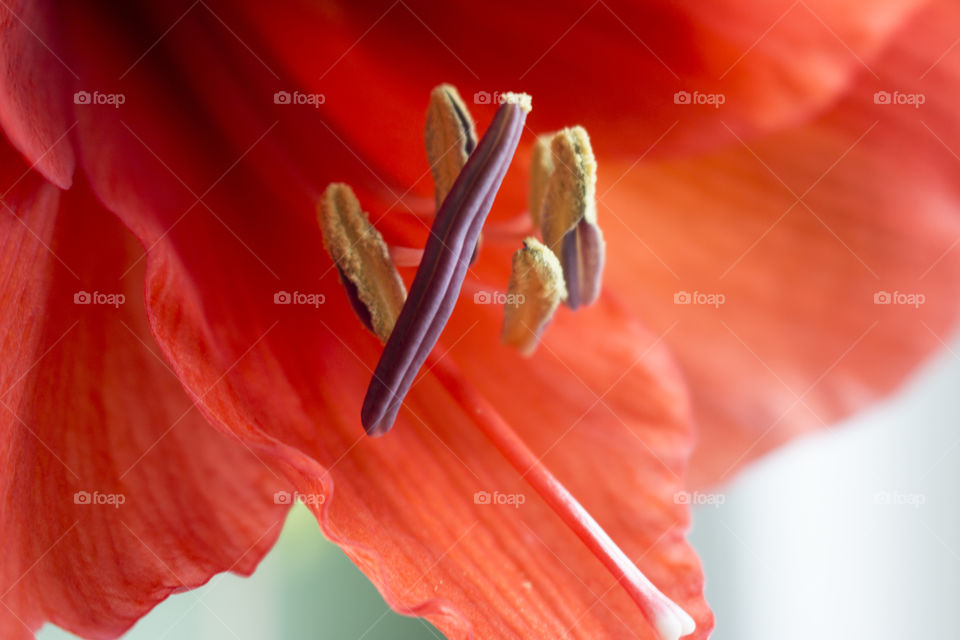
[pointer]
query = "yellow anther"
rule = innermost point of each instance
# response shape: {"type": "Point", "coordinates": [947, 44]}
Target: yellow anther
{"type": "Point", "coordinates": [369, 276]}
{"type": "Point", "coordinates": [536, 289]}
{"type": "Point", "coordinates": [541, 168]}
{"type": "Point", "coordinates": [450, 138]}
{"type": "Point", "coordinates": [572, 189]}
{"type": "Point", "coordinates": [568, 217]}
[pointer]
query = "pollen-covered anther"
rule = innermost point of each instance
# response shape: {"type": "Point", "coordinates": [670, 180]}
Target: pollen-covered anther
{"type": "Point", "coordinates": [541, 168]}
{"type": "Point", "coordinates": [569, 215]}
{"type": "Point", "coordinates": [450, 137]}
{"type": "Point", "coordinates": [369, 276]}
{"type": "Point", "coordinates": [536, 289]}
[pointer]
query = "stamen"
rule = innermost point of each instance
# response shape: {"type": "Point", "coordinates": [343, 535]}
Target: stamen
{"type": "Point", "coordinates": [569, 215]}
{"type": "Point", "coordinates": [668, 619]}
{"type": "Point", "coordinates": [446, 257]}
{"type": "Point", "coordinates": [450, 138]}
{"type": "Point", "coordinates": [541, 168]}
{"type": "Point", "coordinates": [536, 289]}
{"type": "Point", "coordinates": [372, 283]}
{"type": "Point", "coordinates": [582, 255]}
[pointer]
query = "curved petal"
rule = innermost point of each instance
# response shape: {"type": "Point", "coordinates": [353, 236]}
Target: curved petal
{"type": "Point", "coordinates": [290, 379]}
{"type": "Point", "coordinates": [799, 231]}
{"type": "Point", "coordinates": [33, 114]}
{"type": "Point", "coordinates": [613, 66]}
{"type": "Point", "coordinates": [116, 490]}
{"type": "Point", "coordinates": [621, 455]}
{"type": "Point", "coordinates": [774, 63]}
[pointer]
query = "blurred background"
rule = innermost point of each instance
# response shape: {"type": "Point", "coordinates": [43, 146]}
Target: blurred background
{"type": "Point", "coordinates": [851, 533]}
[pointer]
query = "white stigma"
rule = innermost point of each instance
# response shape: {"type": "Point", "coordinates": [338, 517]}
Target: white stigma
{"type": "Point", "coordinates": [673, 622]}
{"type": "Point", "coordinates": [522, 100]}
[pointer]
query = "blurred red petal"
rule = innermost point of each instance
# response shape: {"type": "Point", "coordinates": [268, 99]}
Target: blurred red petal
{"type": "Point", "coordinates": [614, 65]}
{"type": "Point", "coordinates": [117, 492]}
{"type": "Point", "coordinates": [290, 380]}
{"type": "Point", "coordinates": [193, 162]}
{"type": "Point", "coordinates": [799, 230]}
{"type": "Point", "coordinates": [34, 89]}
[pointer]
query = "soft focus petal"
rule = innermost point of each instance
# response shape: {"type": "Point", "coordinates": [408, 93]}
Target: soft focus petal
{"type": "Point", "coordinates": [613, 66]}
{"type": "Point", "coordinates": [34, 89]}
{"type": "Point", "coordinates": [288, 380]}
{"type": "Point", "coordinates": [799, 231]}
{"type": "Point", "coordinates": [605, 412]}
{"type": "Point", "coordinates": [89, 406]}
{"type": "Point", "coordinates": [599, 401]}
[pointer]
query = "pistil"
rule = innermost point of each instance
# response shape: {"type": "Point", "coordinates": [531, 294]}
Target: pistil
{"type": "Point", "coordinates": [446, 258]}
{"type": "Point", "coordinates": [667, 618]}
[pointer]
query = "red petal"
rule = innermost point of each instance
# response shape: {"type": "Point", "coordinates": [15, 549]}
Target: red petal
{"type": "Point", "coordinates": [33, 112]}
{"type": "Point", "coordinates": [90, 406]}
{"type": "Point", "coordinates": [290, 379]}
{"type": "Point", "coordinates": [612, 66]}
{"type": "Point", "coordinates": [612, 432]}
{"type": "Point", "coordinates": [799, 341]}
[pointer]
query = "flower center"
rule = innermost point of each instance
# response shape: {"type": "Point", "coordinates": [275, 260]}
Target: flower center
{"type": "Point", "coordinates": [567, 266]}
{"type": "Point", "coordinates": [446, 258]}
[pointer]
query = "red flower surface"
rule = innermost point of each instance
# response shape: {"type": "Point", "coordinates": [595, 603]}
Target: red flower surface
{"type": "Point", "coordinates": [157, 197]}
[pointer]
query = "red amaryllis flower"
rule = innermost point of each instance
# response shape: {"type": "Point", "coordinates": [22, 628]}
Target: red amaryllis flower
{"type": "Point", "coordinates": [154, 158]}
